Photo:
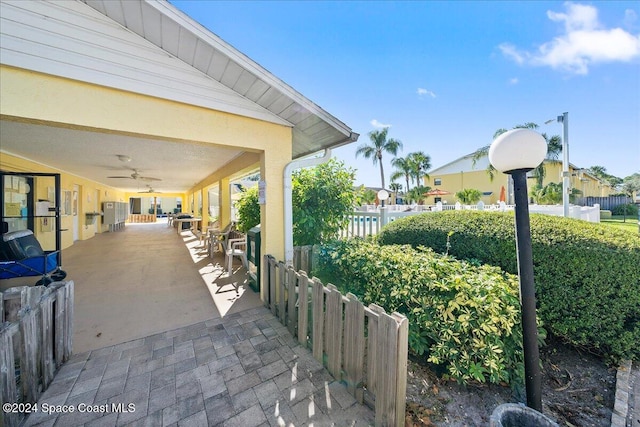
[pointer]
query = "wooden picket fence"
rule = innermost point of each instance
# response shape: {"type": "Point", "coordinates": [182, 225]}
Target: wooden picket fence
{"type": "Point", "coordinates": [362, 346]}
{"type": "Point", "coordinates": [36, 331]}
{"type": "Point", "coordinates": [303, 257]}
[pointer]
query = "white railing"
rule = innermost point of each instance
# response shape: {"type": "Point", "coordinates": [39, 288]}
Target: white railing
{"type": "Point", "coordinates": [585, 213]}
{"type": "Point", "coordinates": [369, 219]}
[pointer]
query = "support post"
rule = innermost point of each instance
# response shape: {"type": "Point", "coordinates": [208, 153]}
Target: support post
{"type": "Point", "coordinates": [527, 292]}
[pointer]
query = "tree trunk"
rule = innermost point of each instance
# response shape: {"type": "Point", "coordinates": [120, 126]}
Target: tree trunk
{"type": "Point", "coordinates": [381, 171]}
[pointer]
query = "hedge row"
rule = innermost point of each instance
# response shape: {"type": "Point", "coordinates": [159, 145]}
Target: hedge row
{"type": "Point", "coordinates": [463, 318]}
{"type": "Point", "coordinates": [587, 275]}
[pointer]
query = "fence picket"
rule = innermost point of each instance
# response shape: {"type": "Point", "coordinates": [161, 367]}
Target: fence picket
{"type": "Point", "coordinates": [29, 354]}
{"type": "Point", "coordinates": [402, 352]}
{"type": "Point", "coordinates": [373, 365]}
{"type": "Point", "coordinates": [59, 327]}
{"type": "Point", "coordinates": [8, 389]}
{"type": "Point", "coordinates": [68, 320]}
{"type": "Point", "coordinates": [338, 337]}
{"type": "Point", "coordinates": [303, 308]}
{"type": "Point", "coordinates": [29, 314]}
{"type": "Point", "coordinates": [333, 333]}
{"type": "Point", "coordinates": [282, 280]}
{"type": "Point", "coordinates": [48, 367]}
{"type": "Point", "coordinates": [292, 317]}
{"type": "Point", "coordinates": [354, 345]}
{"type": "Point", "coordinates": [271, 263]}
{"type": "Point", "coordinates": [317, 314]}
{"type": "Point", "coordinates": [387, 356]}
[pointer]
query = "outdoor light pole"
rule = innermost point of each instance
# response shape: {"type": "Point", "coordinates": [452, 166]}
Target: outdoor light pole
{"type": "Point", "coordinates": [516, 152]}
{"type": "Point", "coordinates": [564, 119]}
{"type": "Point", "coordinates": [382, 196]}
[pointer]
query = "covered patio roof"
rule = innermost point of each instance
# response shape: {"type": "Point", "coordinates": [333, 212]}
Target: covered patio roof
{"type": "Point", "coordinates": [156, 50]}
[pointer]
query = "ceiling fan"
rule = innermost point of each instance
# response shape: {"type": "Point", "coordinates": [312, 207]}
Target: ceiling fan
{"type": "Point", "coordinates": [136, 175]}
{"type": "Point", "coordinates": [149, 190]}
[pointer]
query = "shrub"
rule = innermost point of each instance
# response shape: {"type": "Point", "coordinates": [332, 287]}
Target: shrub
{"type": "Point", "coordinates": [587, 275]}
{"type": "Point", "coordinates": [629, 210]}
{"type": "Point", "coordinates": [469, 196]}
{"type": "Point", "coordinates": [461, 317]}
{"type": "Point", "coordinates": [322, 198]}
{"type": "Point", "coordinates": [248, 210]}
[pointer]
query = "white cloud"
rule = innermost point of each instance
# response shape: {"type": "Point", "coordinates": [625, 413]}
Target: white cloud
{"type": "Point", "coordinates": [513, 81]}
{"type": "Point", "coordinates": [511, 51]}
{"type": "Point", "coordinates": [376, 124]}
{"type": "Point", "coordinates": [424, 92]}
{"type": "Point", "coordinates": [584, 42]}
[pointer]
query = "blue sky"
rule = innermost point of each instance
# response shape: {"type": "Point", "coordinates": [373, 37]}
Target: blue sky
{"type": "Point", "coordinates": [445, 75]}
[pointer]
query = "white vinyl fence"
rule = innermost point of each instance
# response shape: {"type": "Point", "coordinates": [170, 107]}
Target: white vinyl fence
{"type": "Point", "coordinates": [369, 219]}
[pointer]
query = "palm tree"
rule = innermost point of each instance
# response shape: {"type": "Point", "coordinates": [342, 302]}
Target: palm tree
{"type": "Point", "coordinates": [403, 169]}
{"type": "Point", "coordinates": [554, 148]}
{"type": "Point", "coordinates": [420, 163]}
{"type": "Point", "coordinates": [417, 194]}
{"type": "Point", "coordinates": [379, 144]}
{"type": "Point", "coordinates": [395, 187]}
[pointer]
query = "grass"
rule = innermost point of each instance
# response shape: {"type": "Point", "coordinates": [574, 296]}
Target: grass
{"type": "Point", "coordinates": [617, 221]}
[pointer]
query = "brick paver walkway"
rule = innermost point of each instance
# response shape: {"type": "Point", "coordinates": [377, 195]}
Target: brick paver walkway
{"type": "Point", "coordinates": [242, 370]}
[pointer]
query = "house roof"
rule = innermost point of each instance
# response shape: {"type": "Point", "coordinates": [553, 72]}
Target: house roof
{"type": "Point", "coordinates": [461, 164]}
{"type": "Point", "coordinates": [465, 164]}
{"type": "Point", "coordinates": [182, 37]}
{"type": "Point", "coordinates": [151, 48]}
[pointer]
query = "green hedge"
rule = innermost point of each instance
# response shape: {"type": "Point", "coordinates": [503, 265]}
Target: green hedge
{"type": "Point", "coordinates": [462, 317]}
{"type": "Point", "coordinates": [587, 275]}
{"type": "Point", "coordinates": [629, 209]}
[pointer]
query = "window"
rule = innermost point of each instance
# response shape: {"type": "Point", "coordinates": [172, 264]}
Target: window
{"type": "Point", "coordinates": [437, 181]}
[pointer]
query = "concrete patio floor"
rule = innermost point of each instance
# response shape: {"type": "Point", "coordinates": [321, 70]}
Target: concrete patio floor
{"type": "Point", "coordinates": [147, 279]}
{"type": "Point", "coordinates": [162, 338]}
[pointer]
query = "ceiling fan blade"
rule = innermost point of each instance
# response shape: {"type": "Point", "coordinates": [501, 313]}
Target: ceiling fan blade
{"type": "Point", "coordinates": [148, 178]}
{"type": "Point", "coordinates": [127, 177]}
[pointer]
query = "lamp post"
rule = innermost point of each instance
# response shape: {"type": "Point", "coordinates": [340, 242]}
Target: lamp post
{"type": "Point", "coordinates": [382, 196]}
{"type": "Point", "coordinates": [515, 153]}
{"type": "Point", "coordinates": [564, 119]}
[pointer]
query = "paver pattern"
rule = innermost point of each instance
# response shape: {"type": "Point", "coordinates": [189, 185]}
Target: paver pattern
{"type": "Point", "coordinates": [241, 370]}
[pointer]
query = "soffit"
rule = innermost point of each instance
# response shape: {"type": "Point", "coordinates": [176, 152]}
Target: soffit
{"type": "Point", "coordinates": [179, 35]}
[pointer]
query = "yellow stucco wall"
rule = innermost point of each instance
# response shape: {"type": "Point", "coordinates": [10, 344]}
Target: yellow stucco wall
{"type": "Point", "coordinates": [480, 180]}
{"type": "Point", "coordinates": [39, 98]}
{"type": "Point", "coordinates": [581, 181]}
{"type": "Point", "coordinates": [88, 190]}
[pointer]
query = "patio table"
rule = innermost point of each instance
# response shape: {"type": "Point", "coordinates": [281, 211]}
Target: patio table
{"type": "Point", "coordinates": [179, 221]}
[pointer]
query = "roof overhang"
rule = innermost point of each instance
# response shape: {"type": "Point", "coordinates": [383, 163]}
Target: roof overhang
{"type": "Point", "coordinates": [179, 35]}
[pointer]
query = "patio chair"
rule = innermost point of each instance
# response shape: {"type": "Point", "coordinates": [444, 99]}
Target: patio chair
{"type": "Point", "coordinates": [236, 247]}
{"type": "Point", "coordinates": [204, 235]}
{"type": "Point", "coordinates": [217, 237]}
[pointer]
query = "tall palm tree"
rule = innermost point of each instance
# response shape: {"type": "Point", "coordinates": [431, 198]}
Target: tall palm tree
{"type": "Point", "coordinates": [403, 169]}
{"type": "Point", "coordinates": [420, 164]}
{"type": "Point", "coordinates": [554, 148]}
{"type": "Point", "coordinates": [379, 144]}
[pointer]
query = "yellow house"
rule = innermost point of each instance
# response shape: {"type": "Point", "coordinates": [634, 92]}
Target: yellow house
{"type": "Point", "coordinates": [138, 90]}
{"type": "Point", "coordinates": [464, 173]}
